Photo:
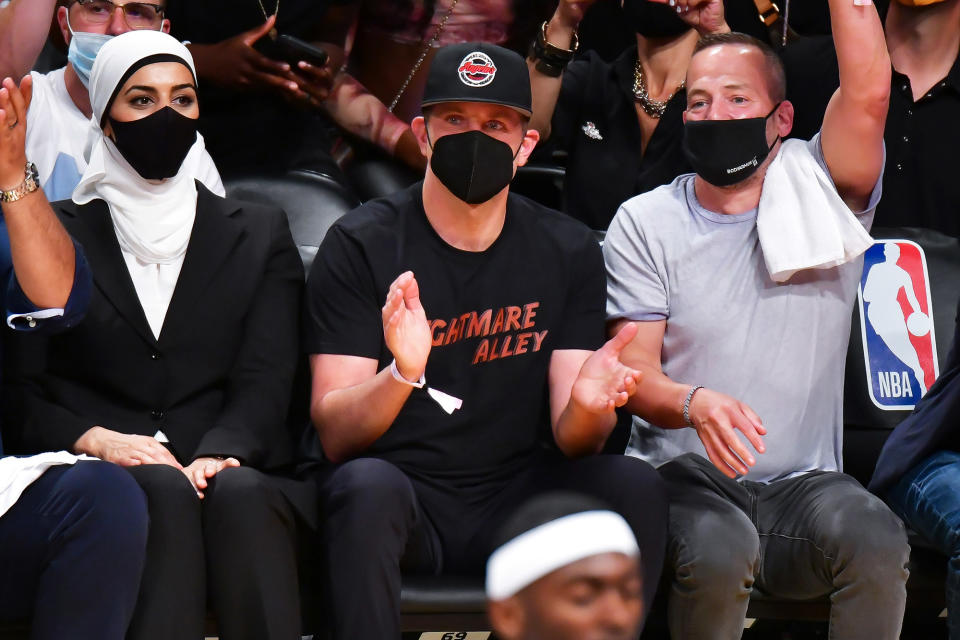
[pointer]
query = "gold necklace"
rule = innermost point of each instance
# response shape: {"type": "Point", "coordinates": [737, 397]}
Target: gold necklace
{"type": "Point", "coordinates": [653, 108]}
{"type": "Point", "coordinates": [276, 13]}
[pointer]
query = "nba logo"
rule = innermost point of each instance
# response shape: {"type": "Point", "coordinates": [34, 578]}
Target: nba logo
{"type": "Point", "coordinates": [899, 346]}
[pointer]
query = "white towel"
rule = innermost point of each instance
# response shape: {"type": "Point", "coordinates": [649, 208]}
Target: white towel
{"type": "Point", "coordinates": [16, 474]}
{"type": "Point", "coordinates": [801, 220]}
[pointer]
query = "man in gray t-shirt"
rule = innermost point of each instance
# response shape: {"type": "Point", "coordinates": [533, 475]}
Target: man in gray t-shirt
{"type": "Point", "coordinates": [778, 348]}
{"type": "Point", "coordinates": [752, 458]}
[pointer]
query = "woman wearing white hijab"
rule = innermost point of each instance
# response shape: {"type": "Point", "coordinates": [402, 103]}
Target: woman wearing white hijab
{"type": "Point", "coordinates": [182, 370]}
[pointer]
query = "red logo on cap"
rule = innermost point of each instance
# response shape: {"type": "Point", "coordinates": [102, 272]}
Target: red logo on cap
{"type": "Point", "coordinates": [477, 69]}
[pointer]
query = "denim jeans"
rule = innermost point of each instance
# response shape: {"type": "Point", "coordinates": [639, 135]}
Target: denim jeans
{"type": "Point", "coordinates": [800, 538]}
{"type": "Point", "coordinates": [928, 499]}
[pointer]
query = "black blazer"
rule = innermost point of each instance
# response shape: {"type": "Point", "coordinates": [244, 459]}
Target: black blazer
{"type": "Point", "coordinates": [218, 380]}
{"type": "Point", "coordinates": [934, 425]}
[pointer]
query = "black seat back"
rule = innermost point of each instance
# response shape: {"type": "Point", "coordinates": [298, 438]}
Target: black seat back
{"type": "Point", "coordinates": [313, 201]}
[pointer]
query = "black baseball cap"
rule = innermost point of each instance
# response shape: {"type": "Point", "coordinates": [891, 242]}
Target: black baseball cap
{"type": "Point", "coordinates": [478, 72]}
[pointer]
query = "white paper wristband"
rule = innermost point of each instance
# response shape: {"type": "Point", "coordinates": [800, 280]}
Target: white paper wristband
{"type": "Point", "coordinates": [395, 372]}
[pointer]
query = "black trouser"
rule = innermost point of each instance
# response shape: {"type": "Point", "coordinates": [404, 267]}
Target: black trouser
{"type": "Point", "coordinates": [378, 520]}
{"type": "Point", "coordinates": [241, 538]}
{"type": "Point", "coordinates": [71, 553]}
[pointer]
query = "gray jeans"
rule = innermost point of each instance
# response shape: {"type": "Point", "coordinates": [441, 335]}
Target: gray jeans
{"type": "Point", "coordinates": [800, 538]}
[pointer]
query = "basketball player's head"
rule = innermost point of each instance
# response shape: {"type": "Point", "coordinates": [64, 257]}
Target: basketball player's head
{"type": "Point", "coordinates": [566, 569]}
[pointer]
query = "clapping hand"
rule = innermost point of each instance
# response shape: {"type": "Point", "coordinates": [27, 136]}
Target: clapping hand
{"type": "Point", "coordinates": [604, 383]}
{"type": "Point", "coordinates": [405, 327]}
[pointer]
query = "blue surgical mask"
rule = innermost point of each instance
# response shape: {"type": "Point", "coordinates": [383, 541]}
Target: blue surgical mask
{"type": "Point", "coordinates": [83, 51]}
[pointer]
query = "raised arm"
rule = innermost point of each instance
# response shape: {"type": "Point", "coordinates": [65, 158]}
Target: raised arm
{"type": "Point", "coordinates": [545, 88]}
{"type": "Point", "coordinates": [24, 25]}
{"type": "Point", "coordinates": [42, 252]}
{"type": "Point", "coordinates": [715, 416]}
{"type": "Point", "coordinates": [852, 137]}
{"type": "Point", "coordinates": [706, 16]}
{"type": "Point", "coordinates": [352, 404]}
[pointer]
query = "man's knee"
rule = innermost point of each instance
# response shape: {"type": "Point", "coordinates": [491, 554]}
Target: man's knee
{"type": "Point", "coordinates": [866, 535]}
{"type": "Point", "coordinates": [716, 551]}
{"type": "Point", "coordinates": [371, 486]}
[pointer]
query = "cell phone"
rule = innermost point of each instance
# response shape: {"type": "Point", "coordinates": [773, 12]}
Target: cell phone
{"type": "Point", "coordinates": [291, 50]}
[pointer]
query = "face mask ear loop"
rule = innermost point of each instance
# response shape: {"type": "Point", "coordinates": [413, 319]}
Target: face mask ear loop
{"type": "Point", "coordinates": [521, 146]}
{"type": "Point", "coordinates": [72, 32]}
{"type": "Point", "coordinates": [427, 131]}
{"type": "Point", "coordinates": [777, 139]}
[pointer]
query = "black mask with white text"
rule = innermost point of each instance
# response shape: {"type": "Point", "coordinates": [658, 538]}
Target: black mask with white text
{"type": "Point", "coordinates": [653, 20]}
{"type": "Point", "coordinates": [725, 152]}
{"type": "Point", "coordinates": [473, 166]}
{"type": "Point", "coordinates": [155, 146]}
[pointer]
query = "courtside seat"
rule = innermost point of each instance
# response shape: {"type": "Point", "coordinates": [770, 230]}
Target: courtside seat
{"type": "Point", "coordinates": [541, 182]}
{"type": "Point", "coordinates": [443, 603]}
{"type": "Point", "coordinates": [313, 201]}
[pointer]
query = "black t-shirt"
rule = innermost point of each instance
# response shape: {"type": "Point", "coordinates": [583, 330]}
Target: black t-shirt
{"type": "Point", "coordinates": [596, 122]}
{"type": "Point", "coordinates": [496, 317]}
{"type": "Point", "coordinates": [920, 186]}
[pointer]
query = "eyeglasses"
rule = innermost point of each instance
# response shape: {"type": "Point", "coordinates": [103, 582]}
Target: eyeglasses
{"type": "Point", "coordinates": [138, 15]}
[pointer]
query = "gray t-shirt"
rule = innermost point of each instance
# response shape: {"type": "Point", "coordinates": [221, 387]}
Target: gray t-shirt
{"type": "Point", "coordinates": [780, 348]}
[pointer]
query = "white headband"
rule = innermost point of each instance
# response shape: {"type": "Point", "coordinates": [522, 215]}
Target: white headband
{"type": "Point", "coordinates": [544, 549]}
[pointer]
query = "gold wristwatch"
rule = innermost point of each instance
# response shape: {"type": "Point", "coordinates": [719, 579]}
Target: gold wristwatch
{"type": "Point", "coordinates": [31, 182]}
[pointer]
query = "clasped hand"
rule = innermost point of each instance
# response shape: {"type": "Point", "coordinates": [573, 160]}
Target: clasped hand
{"type": "Point", "coordinates": [128, 450]}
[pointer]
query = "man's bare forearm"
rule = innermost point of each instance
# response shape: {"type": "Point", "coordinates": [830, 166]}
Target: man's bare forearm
{"type": "Point", "coordinates": [350, 419]}
{"type": "Point", "coordinates": [658, 400]}
{"type": "Point", "coordinates": [581, 433]}
{"type": "Point", "coordinates": [24, 25]}
{"type": "Point", "coordinates": [42, 252]}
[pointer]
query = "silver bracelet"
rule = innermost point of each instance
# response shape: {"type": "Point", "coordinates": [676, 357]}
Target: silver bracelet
{"type": "Point", "coordinates": [686, 405]}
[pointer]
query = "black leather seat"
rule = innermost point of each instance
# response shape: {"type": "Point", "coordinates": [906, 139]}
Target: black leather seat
{"type": "Point", "coordinates": [313, 201]}
{"type": "Point", "coordinates": [541, 182]}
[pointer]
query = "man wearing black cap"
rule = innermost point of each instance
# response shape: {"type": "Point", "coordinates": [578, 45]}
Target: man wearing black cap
{"type": "Point", "coordinates": [453, 326]}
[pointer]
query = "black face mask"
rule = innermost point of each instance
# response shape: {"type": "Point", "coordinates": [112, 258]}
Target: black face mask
{"type": "Point", "coordinates": [725, 152]}
{"type": "Point", "coordinates": [652, 20]}
{"type": "Point", "coordinates": [472, 165]}
{"type": "Point", "coordinates": [155, 146]}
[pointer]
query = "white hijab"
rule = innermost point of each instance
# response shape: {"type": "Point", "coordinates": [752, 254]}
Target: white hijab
{"type": "Point", "coordinates": [153, 220]}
